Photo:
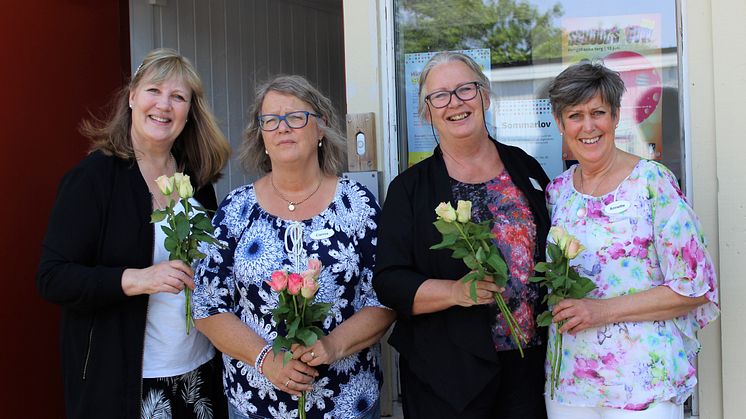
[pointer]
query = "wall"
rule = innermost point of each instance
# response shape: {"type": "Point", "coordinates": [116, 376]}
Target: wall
{"type": "Point", "coordinates": [60, 58]}
{"type": "Point", "coordinates": [726, 64]}
{"type": "Point", "coordinates": [237, 44]}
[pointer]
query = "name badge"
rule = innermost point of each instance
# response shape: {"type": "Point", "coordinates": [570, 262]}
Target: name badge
{"type": "Point", "coordinates": [322, 234]}
{"type": "Point", "coordinates": [535, 184]}
{"type": "Point", "coordinates": [617, 207]}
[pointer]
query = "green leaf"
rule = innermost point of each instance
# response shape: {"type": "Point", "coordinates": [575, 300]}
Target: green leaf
{"type": "Point", "coordinates": [538, 280]}
{"type": "Point", "coordinates": [471, 262]}
{"type": "Point", "coordinates": [473, 291]}
{"type": "Point", "coordinates": [158, 216]}
{"type": "Point", "coordinates": [555, 253]}
{"type": "Point", "coordinates": [544, 319]}
{"type": "Point", "coordinates": [307, 336]}
{"type": "Point", "coordinates": [481, 256]}
{"type": "Point", "coordinates": [541, 267]}
{"type": "Point", "coordinates": [288, 356]}
{"type": "Point", "coordinates": [445, 228]}
{"type": "Point", "coordinates": [181, 228]}
{"type": "Point", "coordinates": [203, 223]}
{"type": "Point", "coordinates": [472, 276]}
{"type": "Point", "coordinates": [497, 263]}
{"type": "Point", "coordinates": [293, 326]}
{"type": "Point", "coordinates": [170, 244]}
{"type": "Point", "coordinates": [553, 299]}
{"type": "Point", "coordinates": [195, 254]}
{"type": "Point", "coordinates": [460, 253]}
{"type": "Point", "coordinates": [448, 240]}
{"type": "Point", "coordinates": [319, 333]}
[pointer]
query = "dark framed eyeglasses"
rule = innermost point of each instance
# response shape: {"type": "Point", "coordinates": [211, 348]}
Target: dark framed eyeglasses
{"type": "Point", "coordinates": [297, 119]}
{"type": "Point", "coordinates": [464, 92]}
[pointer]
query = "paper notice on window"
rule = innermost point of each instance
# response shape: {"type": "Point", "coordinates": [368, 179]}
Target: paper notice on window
{"type": "Point", "coordinates": [629, 44]}
{"type": "Point", "coordinates": [529, 124]}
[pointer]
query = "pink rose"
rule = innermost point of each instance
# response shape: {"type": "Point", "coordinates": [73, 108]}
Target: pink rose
{"type": "Point", "coordinates": [279, 280]}
{"type": "Point", "coordinates": [314, 265]}
{"type": "Point", "coordinates": [295, 283]}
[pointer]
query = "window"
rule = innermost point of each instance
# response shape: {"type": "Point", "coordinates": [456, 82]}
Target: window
{"type": "Point", "coordinates": [522, 45]}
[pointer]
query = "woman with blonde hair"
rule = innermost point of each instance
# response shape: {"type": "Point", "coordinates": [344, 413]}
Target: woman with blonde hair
{"type": "Point", "coordinates": [125, 350]}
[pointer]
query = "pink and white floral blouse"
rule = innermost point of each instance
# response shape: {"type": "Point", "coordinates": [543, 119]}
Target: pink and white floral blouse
{"type": "Point", "coordinates": [642, 235]}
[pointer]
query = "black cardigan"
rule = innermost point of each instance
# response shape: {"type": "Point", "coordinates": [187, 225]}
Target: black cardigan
{"type": "Point", "coordinates": [451, 350]}
{"type": "Point", "coordinates": [99, 226]}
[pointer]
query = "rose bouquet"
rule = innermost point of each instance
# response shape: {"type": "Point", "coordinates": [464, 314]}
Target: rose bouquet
{"type": "Point", "coordinates": [297, 311]}
{"type": "Point", "coordinates": [185, 230]}
{"type": "Point", "coordinates": [473, 243]}
{"type": "Point", "coordinates": [563, 282]}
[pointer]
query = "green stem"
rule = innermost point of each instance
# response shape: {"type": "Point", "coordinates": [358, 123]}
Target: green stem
{"type": "Point", "coordinates": [189, 319]}
{"type": "Point", "coordinates": [515, 330]}
{"type": "Point", "coordinates": [461, 231]}
{"type": "Point", "coordinates": [302, 405]}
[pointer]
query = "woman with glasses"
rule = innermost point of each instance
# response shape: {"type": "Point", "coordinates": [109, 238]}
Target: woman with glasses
{"type": "Point", "coordinates": [298, 210]}
{"type": "Point", "coordinates": [458, 359]}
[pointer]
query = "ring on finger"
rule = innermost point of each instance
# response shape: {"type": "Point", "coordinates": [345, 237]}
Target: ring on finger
{"type": "Point", "coordinates": [313, 355]}
{"type": "Point", "coordinates": [287, 383]}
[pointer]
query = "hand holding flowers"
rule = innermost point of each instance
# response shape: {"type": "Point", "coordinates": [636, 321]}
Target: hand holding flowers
{"type": "Point", "coordinates": [185, 230]}
{"type": "Point", "coordinates": [473, 243]}
{"type": "Point", "coordinates": [563, 282]}
{"type": "Point", "coordinates": [297, 314]}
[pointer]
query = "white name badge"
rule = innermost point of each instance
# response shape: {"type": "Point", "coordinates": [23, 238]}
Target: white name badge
{"type": "Point", "coordinates": [617, 207]}
{"type": "Point", "coordinates": [535, 184]}
{"type": "Point", "coordinates": [322, 234]}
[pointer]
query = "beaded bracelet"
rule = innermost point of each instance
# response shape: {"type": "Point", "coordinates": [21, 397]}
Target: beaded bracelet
{"type": "Point", "coordinates": [260, 358]}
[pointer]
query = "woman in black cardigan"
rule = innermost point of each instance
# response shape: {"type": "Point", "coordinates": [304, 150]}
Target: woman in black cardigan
{"type": "Point", "coordinates": [457, 357]}
{"type": "Point", "coordinates": [125, 350]}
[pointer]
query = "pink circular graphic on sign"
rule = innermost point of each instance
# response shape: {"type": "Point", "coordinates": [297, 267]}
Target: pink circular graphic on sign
{"type": "Point", "coordinates": [642, 80]}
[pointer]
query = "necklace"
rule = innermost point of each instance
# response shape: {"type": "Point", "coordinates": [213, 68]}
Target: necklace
{"type": "Point", "coordinates": [293, 204]}
{"type": "Point", "coordinates": [603, 177]}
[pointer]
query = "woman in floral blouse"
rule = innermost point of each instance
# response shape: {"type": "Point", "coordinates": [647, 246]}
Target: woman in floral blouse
{"type": "Point", "coordinates": [300, 209]}
{"type": "Point", "coordinates": [630, 346]}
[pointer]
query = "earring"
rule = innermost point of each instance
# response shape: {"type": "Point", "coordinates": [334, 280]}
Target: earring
{"type": "Point", "coordinates": [319, 143]}
{"type": "Point", "coordinates": [130, 106]}
{"type": "Point", "coordinates": [266, 152]}
{"type": "Point", "coordinates": [562, 133]}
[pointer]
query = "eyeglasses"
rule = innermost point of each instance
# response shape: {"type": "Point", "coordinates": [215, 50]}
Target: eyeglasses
{"type": "Point", "coordinates": [464, 92]}
{"type": "Point", "coordinates": [297, 119]}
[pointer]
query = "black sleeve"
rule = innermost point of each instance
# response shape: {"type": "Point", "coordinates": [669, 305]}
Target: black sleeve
{"type": "Point", "coordinates": [68, 271]}
{"type": "Point", "coordinates": [396, 280]}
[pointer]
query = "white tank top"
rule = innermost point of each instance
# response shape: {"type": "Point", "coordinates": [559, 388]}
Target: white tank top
{"type": "Point", "coordinates": [169, 351]}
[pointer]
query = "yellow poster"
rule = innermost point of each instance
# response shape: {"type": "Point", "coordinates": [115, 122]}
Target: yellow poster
{"type": "Point", "coordinates": [630, 45]}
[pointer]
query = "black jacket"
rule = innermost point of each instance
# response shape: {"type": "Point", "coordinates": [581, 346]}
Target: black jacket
{"type": "Point", "coordinates": [99, 226]}
{"type": "Point", "coordinates": [451, 350]}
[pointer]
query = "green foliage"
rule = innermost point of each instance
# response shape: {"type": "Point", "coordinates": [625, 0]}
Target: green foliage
{"type": "Point", "coordinates": [185, 230]}
{"type": "Point", "coordinates": [563, 282]}
{"type": "Point", "coordinates": [473, 243]}
{"type": "Point", "coordinates": [514, 30]}
{"type": "Point", "coordinates": [300, 318]}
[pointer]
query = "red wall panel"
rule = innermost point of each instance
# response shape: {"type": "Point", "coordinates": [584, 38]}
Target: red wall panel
{"type": "Point", "coordinates": [58, 60]}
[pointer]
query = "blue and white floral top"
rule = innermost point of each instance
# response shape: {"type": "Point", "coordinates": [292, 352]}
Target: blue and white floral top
{"type": "Point", "coordinates": [232, 280]}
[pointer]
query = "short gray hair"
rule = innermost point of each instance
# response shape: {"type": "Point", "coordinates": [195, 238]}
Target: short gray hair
{"type": "Point", "coordinates": [578, 83]}
{"type": "Point", "coordinates": [444, 57]}
{"type": "Point", "coordinates": [332, 154]}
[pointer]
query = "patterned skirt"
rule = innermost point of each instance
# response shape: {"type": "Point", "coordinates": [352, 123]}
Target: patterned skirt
{"type": "Point", "coordinates": [197, 394]}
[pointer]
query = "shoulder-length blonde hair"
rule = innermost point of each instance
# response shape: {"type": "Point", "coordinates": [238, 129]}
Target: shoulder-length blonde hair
{"type": "Point", "coordinates": [201, 148]}
{"type": "Point", "coordinates": [331, 153]}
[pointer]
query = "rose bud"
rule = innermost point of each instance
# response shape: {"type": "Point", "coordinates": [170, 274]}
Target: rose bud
{"type": "Point", "coordinates": [446, 212]}
{"type": "Point", "coordinates": [573, 248]}
{"type": "Point", "coordinates": [279, 280]}
{"type": "Point", "coordinates": [463, 211]}
{"type": "Point", "coordinates": [310, 286]}
{"type": "Point", "coordinates": [295, 283]}
{"type": "Point", "coordinates": [165, 184]}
